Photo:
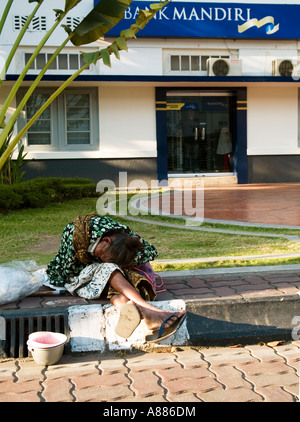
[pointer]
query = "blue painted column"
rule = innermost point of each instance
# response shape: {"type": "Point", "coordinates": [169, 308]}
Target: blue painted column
{"type": "Point", "coordinates": [161, 134]}
{"type": "Point", "coordinates": [240, 153]}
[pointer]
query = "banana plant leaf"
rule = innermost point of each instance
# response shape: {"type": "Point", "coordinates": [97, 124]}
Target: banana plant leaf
{"type": "Point", "coordinates": [120, 43]}
{"type": "Point", "coordinates": [104, 16]}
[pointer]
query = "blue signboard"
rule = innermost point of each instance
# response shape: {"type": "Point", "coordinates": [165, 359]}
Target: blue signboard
{"type": "Point", "coordinates": [216, 20]}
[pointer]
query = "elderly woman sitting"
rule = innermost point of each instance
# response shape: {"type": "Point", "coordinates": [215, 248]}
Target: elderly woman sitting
{"type": "Point", "coordinates": [100, 257]}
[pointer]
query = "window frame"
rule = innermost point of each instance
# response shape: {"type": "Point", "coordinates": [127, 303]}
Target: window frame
{"type": "Point", "coordinates": [170, 54]}
{"type": "Point", "coordinates": [58, 122]}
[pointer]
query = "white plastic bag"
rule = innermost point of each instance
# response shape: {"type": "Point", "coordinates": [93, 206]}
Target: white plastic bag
{"type": "Point", "coordinates": [19, 279]}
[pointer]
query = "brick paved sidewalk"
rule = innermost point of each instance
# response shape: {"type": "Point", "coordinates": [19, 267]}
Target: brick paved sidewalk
{"type": "Point", "coordinates": [271, 204]}
{"type": "Point", "coordinates": [242, 286]}
{"type": "Point", "coordinates": [180, 375]}
{"type": "Point", "coordinates": [194, 285]}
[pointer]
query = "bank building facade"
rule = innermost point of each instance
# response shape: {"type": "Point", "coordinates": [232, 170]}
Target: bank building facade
{"type": "Point", "coordinates": [207, 89]}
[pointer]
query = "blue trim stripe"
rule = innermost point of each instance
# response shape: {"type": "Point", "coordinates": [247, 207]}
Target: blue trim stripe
{"type": "Point", "coordinates": [150, 78]}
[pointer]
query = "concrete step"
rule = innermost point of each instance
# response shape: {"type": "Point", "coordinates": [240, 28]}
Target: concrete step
{"type": "Point", "coordinates": [218, 179]}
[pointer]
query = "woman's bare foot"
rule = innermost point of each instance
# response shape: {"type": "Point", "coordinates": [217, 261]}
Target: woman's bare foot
{"type": "Point", "coordinates": [154, 318]}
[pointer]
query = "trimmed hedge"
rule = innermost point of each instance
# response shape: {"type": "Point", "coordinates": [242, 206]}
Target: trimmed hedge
{"type": "Point", "coordinates": [39, 192]}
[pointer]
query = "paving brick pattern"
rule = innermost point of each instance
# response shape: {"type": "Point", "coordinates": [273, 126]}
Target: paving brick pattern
{"type": "Point", "coordinates": [256, 373]}
{"type": "Point", "coordinates": [239, 286]}
{"type": "Point", "coordinates": [276, 204]}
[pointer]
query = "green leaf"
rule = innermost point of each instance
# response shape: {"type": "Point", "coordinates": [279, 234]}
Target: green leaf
{"type": "Point", "coordinates": [121, 43]}
{"type": "Point", "coordinates": [104, 16]}
{"type": "Point", "coordinates": [69, 4]}
{"type": "Point", "coordinates": [146, 15]}
{"type": "Point", "coordinates": [105, 54]}
{"type": "Point", "coordinates": [159, 6]}
{"type": "Point", "coordinates": [130, 32]}
{"type": "Point", "coordinates": [67, 29]}
{"type": "Point", "coordinates": [114, 49]}
{"type": "Point", "coordinates": [91, 57]}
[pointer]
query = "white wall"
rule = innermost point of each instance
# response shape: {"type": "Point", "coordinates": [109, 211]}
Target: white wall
{"type": "Point", "coordinates": [24, 8]}
{"type": "Point", "coordinates": [273, 120]}
{"type": "Point", "coordinates": [137, 61]}
{"type": "Point", "coordinates": [127, 122]}
{"type": "Point", "coordinates": [258, 56]}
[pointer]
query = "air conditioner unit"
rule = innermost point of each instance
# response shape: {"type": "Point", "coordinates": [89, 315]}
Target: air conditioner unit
{"type": "Point", "coordinates": [224, 67]}
{"type": "Point", "coordinates": [285, 67]}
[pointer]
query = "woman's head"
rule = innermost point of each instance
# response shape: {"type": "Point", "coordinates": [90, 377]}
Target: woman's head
{"type": "Point", "coordinates": [120, 248]}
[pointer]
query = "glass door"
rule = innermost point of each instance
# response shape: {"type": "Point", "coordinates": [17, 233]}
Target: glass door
{"type": "Point", "coordinates": [199, 131]}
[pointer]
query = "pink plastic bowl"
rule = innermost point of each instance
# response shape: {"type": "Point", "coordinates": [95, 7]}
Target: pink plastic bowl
{"type": "Point", "coordinates": [46, 339]}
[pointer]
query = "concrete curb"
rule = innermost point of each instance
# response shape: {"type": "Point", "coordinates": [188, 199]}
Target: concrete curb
{"type": "Point", "coordinates": [232, 271]}
{"type": "Point", "coordinates": [232, 321]}
{"type": "Point", "coordinates": [210, 322]}
{"type": "Point", "coordinates": [92, 328]}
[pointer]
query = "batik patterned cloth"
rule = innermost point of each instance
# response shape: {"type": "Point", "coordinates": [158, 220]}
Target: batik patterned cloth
{"type": "Point", "coordinates": [92, 280]}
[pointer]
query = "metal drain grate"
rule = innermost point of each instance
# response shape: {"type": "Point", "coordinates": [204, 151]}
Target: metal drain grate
{"type": "Point", "coordinates": [20, 323]}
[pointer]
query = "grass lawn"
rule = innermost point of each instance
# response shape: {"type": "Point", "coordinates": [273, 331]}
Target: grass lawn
{"type": "Point", "coordinates": [35, 234]}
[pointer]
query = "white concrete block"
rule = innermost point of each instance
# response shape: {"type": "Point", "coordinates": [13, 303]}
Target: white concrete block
{"type": "Point", "coordinates": [87, 328]}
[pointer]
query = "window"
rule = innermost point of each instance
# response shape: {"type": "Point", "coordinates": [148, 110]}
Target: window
{"type": "Point", "coordinates": [40, 131]}
{"type": "Point", "coordinates": [70, 123]}
{"type": "Point", "coordinates": [195, 63]}
{"type": "Point", "coordinates": [77, 113]}
{"type": "Point", "coordinates": [62, 61]}
{"type": "Point", "coordinates": [191, 62]}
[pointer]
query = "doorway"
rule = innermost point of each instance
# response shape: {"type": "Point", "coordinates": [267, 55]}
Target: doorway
{"type": "Point", "coordinates": [200, 131]}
